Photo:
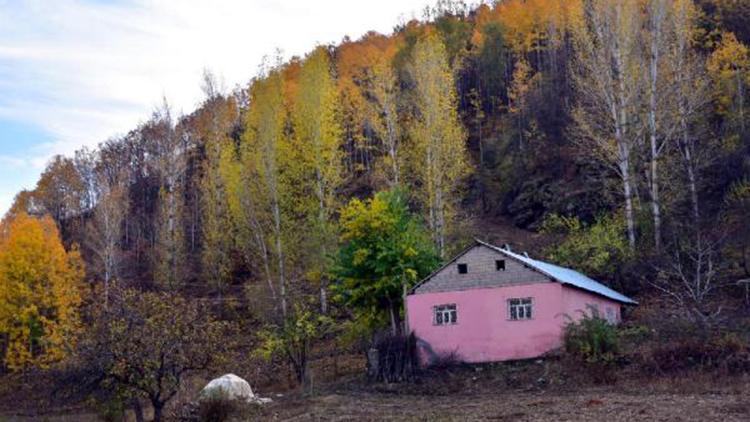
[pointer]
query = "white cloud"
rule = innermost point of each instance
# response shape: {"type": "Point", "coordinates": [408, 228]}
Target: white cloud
{"type": "Point", "coordinates": [12, 163]}
{"type": "Point", "coordinates": [83, 71]}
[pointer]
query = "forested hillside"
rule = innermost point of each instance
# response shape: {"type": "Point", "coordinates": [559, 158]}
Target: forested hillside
{"type": "Point", "coordinates": [616, 134]}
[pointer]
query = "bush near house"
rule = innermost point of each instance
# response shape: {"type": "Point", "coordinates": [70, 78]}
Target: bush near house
{"type": "Point", "coordinates": [595, 343]}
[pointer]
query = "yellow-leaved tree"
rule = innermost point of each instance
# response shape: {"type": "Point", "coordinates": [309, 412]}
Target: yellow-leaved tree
{"type": "Point", "coordinates": [256, 188]}
{"type": "Point", "coordinates": [40, 292]}
{"type": "Point", "coordinates": [729, 66]}
{"type": "Point", "coordinates": [318, 160]}
{"type": "Point", "coordinates": [437, 137]}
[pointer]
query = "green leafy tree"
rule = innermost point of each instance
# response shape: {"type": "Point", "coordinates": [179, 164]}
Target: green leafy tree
{"type": "Point", "coordinates": [598, 249]}
{"type": "Point", "coordinates": [385, 251]}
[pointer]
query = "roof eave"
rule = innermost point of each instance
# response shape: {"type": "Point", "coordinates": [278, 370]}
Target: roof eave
{"type": "Point", "coordinates": [511, 255]}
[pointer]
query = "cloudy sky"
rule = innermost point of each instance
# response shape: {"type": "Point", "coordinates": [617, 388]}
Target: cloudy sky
{"type": "Point", "coordinates": [75, 72]}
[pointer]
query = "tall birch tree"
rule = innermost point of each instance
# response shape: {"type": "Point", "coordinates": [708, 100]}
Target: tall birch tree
{"type": "Point", "coordinates": [256, 187]}
{"type": "Point", "coordinates": [655, 39]}
{"type": "Point", "coordinates": [215, 123]}
{"type": "Point", "coordinates": [170, 255]}
{"type": "Point", "coordinates": [606, 74]}
{"type": "Point", "coordinates": [105, 230]}
{"type": "Point", "coordinates": [317, 130]}
{"type": "Point", "coordinates": [438, 139]}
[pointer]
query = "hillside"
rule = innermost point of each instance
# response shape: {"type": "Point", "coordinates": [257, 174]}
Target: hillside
{"type": "Point", "coordinates": [279, 225]}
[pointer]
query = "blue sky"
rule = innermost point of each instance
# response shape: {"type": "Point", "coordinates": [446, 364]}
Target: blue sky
{"type": "Point", "coordinates": [76, 72]}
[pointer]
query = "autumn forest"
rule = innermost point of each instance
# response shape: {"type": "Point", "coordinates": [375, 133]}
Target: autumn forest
{"type": "Point", "coordinates": [292, 213]}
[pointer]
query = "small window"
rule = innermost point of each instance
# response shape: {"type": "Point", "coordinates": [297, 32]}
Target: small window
{"type": "Point", "coordinates": [611, 317]}
{"type": "Point", "coordinates": [463, 268]}
{"type": "Point", "coordinates": [500, 265]}
{"type": "Point", "coordinates": [445, 314]}
{"type": "Point", "coordinates": [520, 309]}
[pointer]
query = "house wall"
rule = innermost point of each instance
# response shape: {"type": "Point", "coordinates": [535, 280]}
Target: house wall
{"type": "Point", "coordinates": [481, 273]}
{"type": "Point", "coordinates": [576, 303]}
{"type": "Point", "coordinates": [484, 332]}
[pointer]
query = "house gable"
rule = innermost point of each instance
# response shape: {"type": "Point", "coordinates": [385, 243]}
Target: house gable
{"type": "Point", "coordinates": [481, 272]}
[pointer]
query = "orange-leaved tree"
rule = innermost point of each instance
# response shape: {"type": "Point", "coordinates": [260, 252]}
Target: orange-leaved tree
{"type": "Point", "coordinates": [40, 292]}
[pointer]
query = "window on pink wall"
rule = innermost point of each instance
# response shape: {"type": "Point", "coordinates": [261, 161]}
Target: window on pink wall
{"type": "Point", "coordinates": [520, 309]}
{"type": "Point", "coordinates": [445, 314]}
{"type": "Point", "coordinates": [611, 315]}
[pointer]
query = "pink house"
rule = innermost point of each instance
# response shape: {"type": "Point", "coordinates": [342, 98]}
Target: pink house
{"type": "Point", "coordinates": [491, 304]}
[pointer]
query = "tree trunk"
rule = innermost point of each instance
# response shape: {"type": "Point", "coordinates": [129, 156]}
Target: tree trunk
{"type": "Point", "coordinates": [655, 206]}
{"type": "Point", "coordinates": [653, 77]}
{"type": "Point", "coordinates": [138, 410]}
{"type": "Point", "coordinates": [279, 256]}
{"type": "Point", "coordinates": [323, 298]}
{"type": "Point", "coordinates": [627, 190]}
{"type": "Point", "coordinates": [403, 299]}
{"type": "Point", "coordinates": [158, 409]}
{"type": "Point", "coordinates": [394, 318]}
{"type": "Point", "coordinates": [392, 150]}
{"type": "Point", "coordinates": [619, 111]}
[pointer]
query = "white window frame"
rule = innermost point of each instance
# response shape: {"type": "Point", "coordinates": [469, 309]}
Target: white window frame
{"type": "Point", "coordinates": [524, 308]}
{"type": "Point", "coordinates": [611, 315]}
{"type": "Point", "coordinates": [448, 314]}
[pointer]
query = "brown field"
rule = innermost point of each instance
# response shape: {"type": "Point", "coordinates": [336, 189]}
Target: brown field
{"type": "Point", "coordinates": [595, 404]}
{"type": "Point", "coordinates": [542, 390]}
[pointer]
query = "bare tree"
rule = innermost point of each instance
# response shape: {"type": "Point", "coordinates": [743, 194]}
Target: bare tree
{"type": "Point", "coordinates": [690, 276]}
{"type": "Point", "coordinates": [171, 164]}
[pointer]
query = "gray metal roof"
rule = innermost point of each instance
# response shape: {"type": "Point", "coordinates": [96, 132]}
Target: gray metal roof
{"type": "Point", "coordinates": [564, 275]}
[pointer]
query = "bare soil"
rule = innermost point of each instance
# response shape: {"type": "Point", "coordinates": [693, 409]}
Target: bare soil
{"type": "Point", "coordinates": [537, 390]}
{"type": "Point", "coordinates": [595, 404]}
{"type": "Point", "coordinates": [541, 390]}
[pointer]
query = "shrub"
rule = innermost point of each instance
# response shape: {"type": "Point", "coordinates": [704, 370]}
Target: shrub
{"type": "Point", "coordinates": [726, 352]}
{"type": "Point", "coordinates": [595, 343]}
{"type": "Point", "coordinates": [294, 339]}
{"type": "Point", "coordinates": [112, 410]}
{"type": "Point", "coordinates": [217, 406]}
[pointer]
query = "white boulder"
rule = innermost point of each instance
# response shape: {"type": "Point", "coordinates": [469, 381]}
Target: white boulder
{"type": "Point", "coordinates": [234, 387]}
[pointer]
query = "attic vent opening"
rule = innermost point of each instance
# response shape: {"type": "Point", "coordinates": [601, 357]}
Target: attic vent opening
{"type": "Point", "coordinates": [500, 265]}
{"type": "Point", "coordinates": [463, 268]}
